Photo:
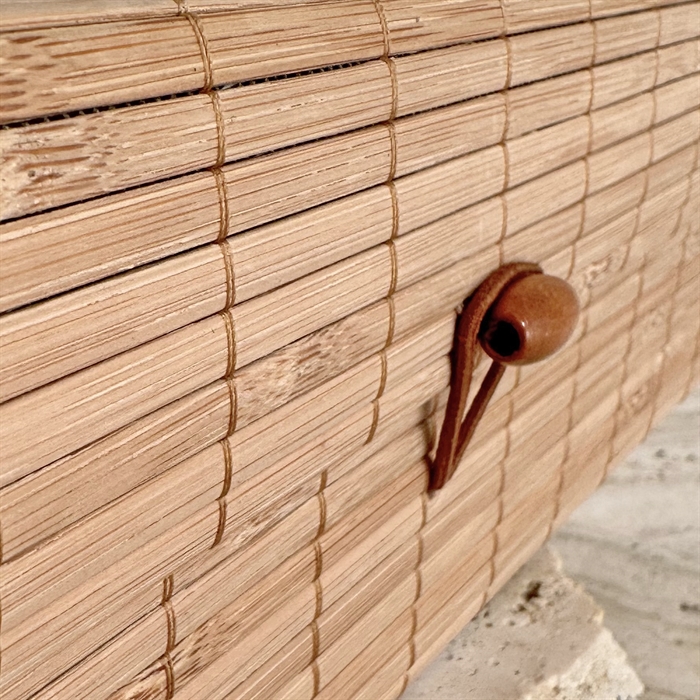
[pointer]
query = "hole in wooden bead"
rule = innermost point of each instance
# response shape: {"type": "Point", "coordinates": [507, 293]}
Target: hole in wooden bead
{"type": "Point", "coordinates": [504, 339]}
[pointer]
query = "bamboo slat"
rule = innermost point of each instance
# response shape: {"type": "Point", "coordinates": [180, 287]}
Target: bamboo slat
{"type": "Point", "coordinates": [227, 331]}
{"type": "Point", "coordinates": [545, 54]}
{"type": "Point", "coordinates": [262, 262]}
{"type": "Point", "coordinates": [124, 61]}
{"type": "Point", "coordinates": [71, 572]}
{"type": "Point", "coordinates": [270, 678]}
{"type": "Point", "coordinates": [260, 117]}
{"type": "Point", "coordinates": [215, 655]}
{"type": "Point", "coordinates": [22, 493]}
{"type": "Point", "coordinates": [119, 250]}
{"type": "Point", "coordinates": [678, 23]}
{"type": "Point", "coordinates": [411, 26]}
{"type": "Point", "coordinates": [525, 15]}
{"type": "Point", "coordinates": [291, 475]}
{"type": "Point", "coordinates": [453, 615]}
{"type": "Point", "coordinates": [56, 70]}
{"type": "Point", "coordinates": [678, 60]}
{"type": "Point", "coordinates": [601, 8]}
{"type": "Point", "coordinates": [266, 188]}
{"type": "Point", "coordinates": [24, 14]}
{"type": "Point", "coordinates": [174, 137]}
{"type": "Point", "coordinates": [617, 37]}
{"type": "Point", "coordinates": [200, 352]}
{"type": "Point", "coordinates": [315, 34]}
{"type": "Point", "coordinates": [143, 450]}
{"type": "Point", "coordinates": [367, 664]}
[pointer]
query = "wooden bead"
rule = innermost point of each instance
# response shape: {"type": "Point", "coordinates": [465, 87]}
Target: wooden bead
{"type": "Point", "coordinates": [532, 318]}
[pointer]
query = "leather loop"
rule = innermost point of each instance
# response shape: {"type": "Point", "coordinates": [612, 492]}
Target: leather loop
{"type": "Point", "coordinates": [519, 315]}
{"type": "Point", "coordinates": [455, 434]}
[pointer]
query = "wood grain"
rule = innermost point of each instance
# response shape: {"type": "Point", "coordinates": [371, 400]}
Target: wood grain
{"type": "Point", "coordinates": [214, 479]}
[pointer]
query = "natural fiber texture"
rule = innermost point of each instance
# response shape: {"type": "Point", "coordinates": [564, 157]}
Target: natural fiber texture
{"type": "Point", "coordinates": [235, 238]}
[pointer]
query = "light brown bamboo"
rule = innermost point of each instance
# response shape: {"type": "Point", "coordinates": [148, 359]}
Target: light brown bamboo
{"type": "Point", "coordinates": [461, 609]}
{"type": "Point", "coordinates": [270, 679]}
{"type": "Point", "coordinates": [367, 664]}
{"type": "Point", "coordinates": [257, 118]}
{"type": "Point", "coordinates": [41, 13]}
{"type": "Point", "coordinates": [124, 250]}
{"type": "Point", "coordinates": [602, 8]}
{"type": "Point", "coordinates": [563, 97]}
{"type": "Point", "coordinates": [334, 660]}
{"type": "Point", "coordinates": [266, 188]}
{"type": "Point", "coordinates": [470, 562]}
{"type": "Point", "coordinates": [520, 550]}
{"type": "Point", "coordinates": [8, 500]}
{"type": "Point", "coordinates": [546, 238]}
{"type": "Point", "coordinates": [545, 54]}
{"type": "Point", "coordinates": [525, 15]}
{"type": "Point", "coordinates": [90, 241]}
{"type": "Point", "coordinates": [454, 614]}
{"type": "Point", "coordinates": [677, 97]}
{"type": "Point", "coordinates": [178, 136]}
{"type": "Point", "coordinates": [263, 641]}
{"type": "Point", "coordinates": [533, 383]}
{"type": "Point", "coordinates": [678, 23]}
{"type": "Point", "coordinates": [192, 536]}
{"type": "Point", "coordinates": [409, 22]}
{"type": "Point", "coordinates": [547, 149]}
{"type": "Point", "coordinates": [463, 72]}
{"type": "Point", "coordinates": [528, 484]}
{"type": "Point", "coordinates": [262, 260]}
{"type": "Point", "coordinates": [535, 431]}
{"type": "Point", "coordinates": [26, 14]}
{"type": "Point", "coordinates": [57, 656]}
{"type": "Point", "coordinates": [604, 205]}
{"type": "Point", "coordinates": [332, 402]}
{"type": "Point", "coordinates": [300, 688]}
{"type": "Point", "coordinates": [114, 63]}
{"type": "Point", "coordinates": [54, 70]}
{"type": "Point", "coordinates": [244, 609]}
{"type": "Point", "coordinates": [623, 78]}
{"type": "Point", "coordinates": [292, 476]}
{"type": "Point", "coordinates": [602, 257]}
{"type": "Point", "coordinates": [387, 678]}
{"type": "Point", "coordinates": [49, 500]}
{"type": "Point", "coordinates": [617, 37]}
{"type": "Point", "coordinates": [534, 201]}
{"type": "Point", "coordinates": [230, 675]}
{"type": "Point", "coordinates": [612, 124]}
{"type": "Point", "coordinates": [613, 164]}
{"type": "Point", "coordinates": [678, 60]}
{"type": "Point", "coordinates": [318, 301]}
{"type": "Point", "coordinates": [366, 332]}
{"type": "Point", "coordinates": [337, 618]}
{"type": "Point", "coordinates": [243, 618]}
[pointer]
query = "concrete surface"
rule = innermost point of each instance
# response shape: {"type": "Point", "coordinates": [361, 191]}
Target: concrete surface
{"type": "Point", "coordinates": [540, 638]}
{"type": "Point", "coordinates": [635, 546]}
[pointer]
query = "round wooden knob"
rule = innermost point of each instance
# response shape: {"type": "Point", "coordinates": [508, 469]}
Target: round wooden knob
{"type": "Point", "coordinates": [532, 318]}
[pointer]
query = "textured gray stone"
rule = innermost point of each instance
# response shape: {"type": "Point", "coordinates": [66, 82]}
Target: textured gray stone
{"type": "Point", "coordinates": [635, 546]}
{"type": "Point", "coordinates": [540, 638]}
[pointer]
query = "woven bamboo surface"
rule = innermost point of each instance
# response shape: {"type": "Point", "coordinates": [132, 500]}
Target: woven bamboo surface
{"type": "Point", "coordinates": [234, 237]}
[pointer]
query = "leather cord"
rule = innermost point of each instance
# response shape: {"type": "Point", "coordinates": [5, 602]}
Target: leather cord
{"type": "Point", "coordinates": [457, 433]}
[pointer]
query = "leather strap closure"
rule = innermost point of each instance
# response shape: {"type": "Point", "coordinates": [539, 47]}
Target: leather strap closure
{"type": "Point", "coordinates": [457, 433]}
